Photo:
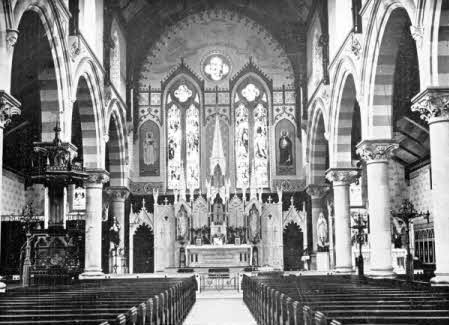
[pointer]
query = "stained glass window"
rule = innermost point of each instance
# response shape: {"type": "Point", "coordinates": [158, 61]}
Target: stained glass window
{"type": "Point", "coordinates": [174, 134]}
{"type": "Point", "coordinates": [260, 146]}
{"type": "Point", "coordinates": [242, 146]}
{"type": "Point", "coordinates": [251, 134]}
{"type": "Point", "coordinates": [193, 147]}
{"type": "Point", "coordinates": [183, 136]}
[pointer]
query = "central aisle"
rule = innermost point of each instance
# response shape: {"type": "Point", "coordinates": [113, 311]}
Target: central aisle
{"type": "Point", "coordinates": [219, 308]}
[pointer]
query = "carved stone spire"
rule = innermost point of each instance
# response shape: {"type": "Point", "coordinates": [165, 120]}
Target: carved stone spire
{"type": "Point", "coordinates": [217, 157]}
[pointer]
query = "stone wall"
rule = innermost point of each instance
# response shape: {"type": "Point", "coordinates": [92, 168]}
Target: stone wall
{"type": "Point", "coordinates": [13, 194]}
{"type": "Point", "coordinates": [420, 193]}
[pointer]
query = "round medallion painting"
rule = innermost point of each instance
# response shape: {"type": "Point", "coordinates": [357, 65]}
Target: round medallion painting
{"type": "Point", "coordinates": [216, 66]}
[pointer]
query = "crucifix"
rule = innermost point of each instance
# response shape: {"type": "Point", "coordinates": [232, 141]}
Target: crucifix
{"type": "Point", "coordinates": [269, 199]}
{"type": "Point", "coordinates": [361, 223]}
{"type": "Point", "coordinates": [166, 201]}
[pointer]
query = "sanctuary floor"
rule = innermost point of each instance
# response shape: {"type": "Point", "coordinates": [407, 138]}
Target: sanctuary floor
{"type": "Point", "coordinates": [219, 308]}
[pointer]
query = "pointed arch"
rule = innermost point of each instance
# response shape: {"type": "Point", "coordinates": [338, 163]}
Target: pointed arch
{"type": "Point", "coordinates": [183, 102]}
{"type": "Point", "coordinates": [251, 99]}
{"type": "Point", "coordinates": [52, 20]}
{"type": "Point", "coordinates": [117, 144]}
{"type": "Point", "coordinates": [318, 148]}
{"type": "Point", "coordinates": [388, 18]}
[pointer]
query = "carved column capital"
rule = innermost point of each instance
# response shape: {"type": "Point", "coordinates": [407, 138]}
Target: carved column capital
{"type": "Point", "coordinates": [417, 34]}
{"type": "Point", "coordinates": [317, 191]}
{"type": "Point", "coordinates": [11, 38]}
{"type": "Point", "coordinates": [9, 106]}
{"type": "Point", "coordinates": [117, 193]}
{"type": "Point", "coordinates": [376, 150]}
{"type": "Point", "coordinates": [343, 175]}
{"type": "Point", "coordinates": [97, 176]}
{"type": "Point", "coordinates": [432, 104]}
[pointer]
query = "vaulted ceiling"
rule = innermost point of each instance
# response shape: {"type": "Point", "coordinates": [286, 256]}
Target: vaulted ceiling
{"type": "Point", "coordinates": [146, 20]}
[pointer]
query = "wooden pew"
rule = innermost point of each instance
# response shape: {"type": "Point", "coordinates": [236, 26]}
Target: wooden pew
{"type": "Point", "coordinates": [102, 302]}
{"type": "Point", "coordinates": [320, 300]}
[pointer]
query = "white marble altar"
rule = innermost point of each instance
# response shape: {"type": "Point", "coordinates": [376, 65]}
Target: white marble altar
{"type": "Point", "coordinates": [218, 255]}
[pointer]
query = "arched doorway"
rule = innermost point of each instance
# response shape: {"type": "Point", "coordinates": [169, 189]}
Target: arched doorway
{"type": "Point", "coordinates": [143, 241]}
{"type": "Point", "coordinates": [293, 247]}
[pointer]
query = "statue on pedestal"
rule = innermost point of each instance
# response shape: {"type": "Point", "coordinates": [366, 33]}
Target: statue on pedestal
{"type": "Point", "coordinates": [218, 211]}
{"type": "Point", "coordinates": [182, 225]}
{"type": "Point", "coordinates": [253, 225]}
{"type": "Point", "coordinates": [321, 228]}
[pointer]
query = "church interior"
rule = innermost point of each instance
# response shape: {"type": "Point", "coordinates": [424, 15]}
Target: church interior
{"type": "Point", "coordinates": [160, 155]}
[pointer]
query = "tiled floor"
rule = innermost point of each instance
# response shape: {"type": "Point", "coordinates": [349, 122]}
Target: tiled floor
{"type": "Point", "coordinates": [219, 309]}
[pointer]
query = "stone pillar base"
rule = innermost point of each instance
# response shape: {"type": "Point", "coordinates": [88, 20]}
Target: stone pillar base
{"type": "Point", "coordinates": [343, 269]}
{"type": "Point", "coordinates": [322, 261]}
{"type": "Point", "coordinates": [440, 280]}
{"type": "Point", "coordinates": [86, 275]}
{"type": "Point", "coordinates": [312, 262]}
{"type": "Point", "coordinates": [381, 274]}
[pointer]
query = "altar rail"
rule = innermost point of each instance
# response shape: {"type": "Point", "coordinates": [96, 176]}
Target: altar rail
{"type": "Point", "coordinates": [219, 281]}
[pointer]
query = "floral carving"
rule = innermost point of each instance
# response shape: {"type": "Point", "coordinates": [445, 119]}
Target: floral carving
{"type": "Point", "coordinates": [376, 150]}
{"type": "Point", "coordinates": [343, 175]}
{"type": "Point", "coordinates": [432, 103]}
{"type": "Point", "coordinates": [317, 191]}
{"type": "Point", "coordinates": [98, 176]}
{"type": "Point", "coordinates": [9, 107]}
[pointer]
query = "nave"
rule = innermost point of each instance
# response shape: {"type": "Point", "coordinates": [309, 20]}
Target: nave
{"type": "Point", "coordinates": [267, 298]}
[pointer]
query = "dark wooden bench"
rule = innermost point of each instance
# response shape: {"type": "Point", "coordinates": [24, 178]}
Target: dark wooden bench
{"type": "Point", "coordinates": [342, 300]}
{"type": "Point", "coordinates": [130, 301]}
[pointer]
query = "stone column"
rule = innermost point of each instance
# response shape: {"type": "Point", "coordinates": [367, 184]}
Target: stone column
{"type": "Point", "coordinates": [341, 178]}
{"type": "Point", "coordinates": [376, 154]}
{"type": "Point", "coordinates": [118, 197]}
{"type": "Point", "coordinates": [94, 211]}
{"type": "Point", "coordinates": [316, 193]}
{"type": "Point", "coordinates": [433, 104]}
{"type": "Point", "coordinates": [9, 106]}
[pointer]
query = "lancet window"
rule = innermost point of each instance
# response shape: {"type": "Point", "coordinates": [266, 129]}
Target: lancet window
{"type": "Point", "coordinates": [251, 134]}
{"type": "Point", "coordinates": [183, 134]}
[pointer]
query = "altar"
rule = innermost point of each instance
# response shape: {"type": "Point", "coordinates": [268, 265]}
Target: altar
{"type": "Point", "coordinates": [226, 255]}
